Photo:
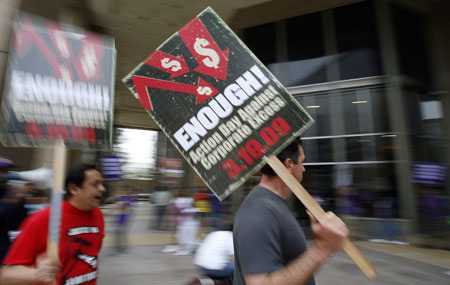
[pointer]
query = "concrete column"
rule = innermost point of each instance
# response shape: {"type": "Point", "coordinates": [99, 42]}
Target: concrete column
{"type": "Point", "coordinates": [337, 124]}
{"type": "Point", "coordinates": [7, 12]}
{"type": "Point", "coordinates": [440, 51]}
{"type": "Point", "coordinates": [397, 113]}
{"type": "Point", "coordinates": [8, 8]}
{"type": "Point", "coordinates": [41, 157]}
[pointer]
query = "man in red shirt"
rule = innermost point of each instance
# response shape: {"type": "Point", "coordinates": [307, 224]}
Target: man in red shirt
{"type": "Point", "coordinates": [81, 235]}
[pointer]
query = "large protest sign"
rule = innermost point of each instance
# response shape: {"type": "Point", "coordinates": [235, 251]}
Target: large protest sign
{"type": "Point", "coordinates": [59, 84]}
{"type": "Point", "coordinates": [216, 102]}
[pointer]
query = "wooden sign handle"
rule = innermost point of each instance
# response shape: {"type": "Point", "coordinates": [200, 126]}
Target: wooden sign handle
{"type": "Point", "coordinates": [318, 213]}
{"type": "Point", "coordinates": [59, 163]}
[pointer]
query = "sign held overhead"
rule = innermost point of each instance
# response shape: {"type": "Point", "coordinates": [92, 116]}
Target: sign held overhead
{"type": "Point", "coordinates": [217, 103]}
{"type": "Point", "coordinates": [59, 84]}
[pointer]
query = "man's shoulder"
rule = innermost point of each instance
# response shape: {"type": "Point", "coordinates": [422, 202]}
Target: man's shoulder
{"type": "Point", "coordinates": [39, 219]}
{"type": "Point", "coordinates": [255, 212]}
{"type": "Point", "coordinates": [260, 198]}
{"type": "Point", "coordinates": [97, 213]}
{"type": "Point", "coordinates": [41, 214]}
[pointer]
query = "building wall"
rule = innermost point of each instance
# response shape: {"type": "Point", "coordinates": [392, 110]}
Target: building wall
{"type": "Point", "coordinates": [20, 156]}
{"type": "Point", "coordinates": [412, 68]}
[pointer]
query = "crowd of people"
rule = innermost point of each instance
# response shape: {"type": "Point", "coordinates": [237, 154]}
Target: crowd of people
{"type": "Point", "coordinates": [21, 194]}
{"type": "Point", "coordinates": [265, 245]}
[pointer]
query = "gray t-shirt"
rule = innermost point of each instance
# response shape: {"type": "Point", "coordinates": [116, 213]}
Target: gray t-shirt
{"type": "Point", "coordinates": [266, 235]}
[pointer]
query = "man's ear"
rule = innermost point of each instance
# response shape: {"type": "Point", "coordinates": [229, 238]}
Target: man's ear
{"type": "Point", "coordinates": [288, 163]}
{"type": "Point", "coordinates": [73, 189]}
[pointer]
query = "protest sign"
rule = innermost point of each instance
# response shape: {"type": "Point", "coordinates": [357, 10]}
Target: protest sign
{"type": "Point", "coordinates": [223, 110]}
{"type": "Point", "coordinates": [58, 93]}
{"type": "Point", "coordinates": [111, 168]}
{"type": "Point", "coordinates": [428, 173]}
{"type": "Point", "coordinates": [216, 102]}
{"type": "Point", "coordinates": [59, 84]}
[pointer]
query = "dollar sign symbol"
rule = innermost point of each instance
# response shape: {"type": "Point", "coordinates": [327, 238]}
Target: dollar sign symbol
{"type": "Point", "coordinates": [65, 74]}
{"type": "Point", "coordinates": [88, 61]}
{"type": "Point", "coordinates": [213, 58]}
{"type": "Point", "coordinates": [204, 90]}
{"type": "Point", "coordinates": [61, 44]}
{"type": "Point", "coordinates": [174, 65]}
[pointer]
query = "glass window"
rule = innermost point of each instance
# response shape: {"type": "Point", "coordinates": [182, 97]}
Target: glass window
{"type": "Point", "coordinates": [366, 190]}
{"type": "Point", "coordinates": [261, 40]}
{"type": "Point", "coordinates": [306, 51]}
{"type": "Point", "coordinates": [318, 150]}
{"type": "Point", "coordinates": [305, 40]}
{"type": "Point", "coordinates": [357, 111]}
{"type": "Point", "coordinates": [357, 40]}
{"type": "Point", "coordinates": [411, 44]}
{"type": "Point", "coordinates": [351, 114]}
{"type": "Point", "coordinates": [354, 149]}
{"type": "Point", "coordinates": [380, 113]}
{"type": "Point", "coordinates": [425, 122]}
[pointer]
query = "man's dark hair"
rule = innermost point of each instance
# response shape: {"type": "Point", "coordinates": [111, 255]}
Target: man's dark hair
{"type": "Point", "coordinates": [76, 176]}
{"type": "Point", "coordinates": [291, 151]}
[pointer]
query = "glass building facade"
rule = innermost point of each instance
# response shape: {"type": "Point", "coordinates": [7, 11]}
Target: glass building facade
{"type": "Point", "coordinates": [364, 73]}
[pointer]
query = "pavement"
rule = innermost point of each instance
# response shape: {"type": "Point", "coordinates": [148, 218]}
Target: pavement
{"type": "Point", "coordinates": [144, 261]}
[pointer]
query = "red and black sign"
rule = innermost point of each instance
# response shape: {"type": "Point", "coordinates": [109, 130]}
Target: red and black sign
{"type": "Point", "coordinates": [217, 103]}
{"type": "Point", "coordinates": [59, 84]}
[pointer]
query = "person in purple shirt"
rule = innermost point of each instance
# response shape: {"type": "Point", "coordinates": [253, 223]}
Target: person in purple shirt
{"type": "Point", "coordinates": [124, 206]}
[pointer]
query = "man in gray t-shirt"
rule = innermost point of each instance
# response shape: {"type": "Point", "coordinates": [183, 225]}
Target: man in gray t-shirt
{"type": "Point", "coordinates": [269, 244]}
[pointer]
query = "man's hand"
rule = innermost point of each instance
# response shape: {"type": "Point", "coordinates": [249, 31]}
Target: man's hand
{"type": "Point", "coordinates": [329, 234]}
{"type": "Point", "coordinates": [46, 268]}
{"type": "Point", "coordinates": [44, 271]}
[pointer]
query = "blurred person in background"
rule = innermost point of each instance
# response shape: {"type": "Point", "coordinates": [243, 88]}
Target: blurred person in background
{"type": "Point", "coordinates": [203, 204]}
{"type": "Point", "coordinates": [269, 244]}
{"type": "Point", "coordinates": [80, 241]}
{"type": "Point", "coordinates": [174, 214]}
{"type": "Point", "coordinates": [124, 210]}
{"type": "Point", "coordinates": [12, 206]}
{"type": "Point", "coordinates": [161, 199]}
{"type": "Point", "coordinates": [385, 208]}
{"type": "Point", "coordinates": [40, 181]}
{"type": "Point", "coordinates": [348, 202]}
{"type": "Point", "coordinates": [24, 194]}
{"type": "Point", "coordinates": [187, 224]}
{"type": "Point", "coordinates": [215, 255]}
{"type": "Point", "coordinates": [218, 211]}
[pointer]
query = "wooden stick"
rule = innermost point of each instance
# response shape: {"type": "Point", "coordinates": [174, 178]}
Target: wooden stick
{"type": "Point", "coordinates": [59, 163]}
{"type": "Point", "coordinates": [318, 213]}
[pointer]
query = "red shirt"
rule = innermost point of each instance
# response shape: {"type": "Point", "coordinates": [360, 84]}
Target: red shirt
{"type": "Point", "coordinates": [81, 236]}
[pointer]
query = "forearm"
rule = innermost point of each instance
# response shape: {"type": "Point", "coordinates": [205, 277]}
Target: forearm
{"type": "Point", "coordinates": [17, 274]}
{"type": "Point", "coordinates": [299, 271]}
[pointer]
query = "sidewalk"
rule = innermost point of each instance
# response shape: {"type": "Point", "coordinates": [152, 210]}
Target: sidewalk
{"type": "Point", "coordinates": [436, 257]}
{"type": "Point", "coordinates": [145, 263]}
